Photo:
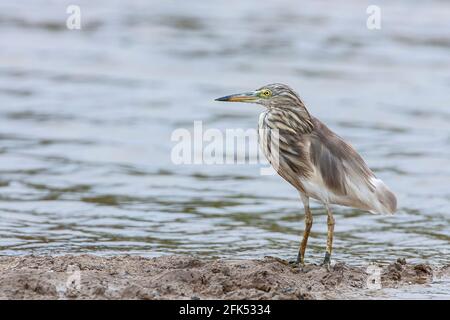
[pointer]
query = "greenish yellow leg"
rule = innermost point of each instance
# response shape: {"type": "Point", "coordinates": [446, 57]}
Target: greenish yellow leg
{"type": "Point", "coordinates": [308, 225]}
{"type": "Point", "coordinates": [330, 224]}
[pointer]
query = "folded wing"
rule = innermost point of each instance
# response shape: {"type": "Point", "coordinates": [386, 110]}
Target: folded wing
{"type": "Point", "coordinates": [343, 172]}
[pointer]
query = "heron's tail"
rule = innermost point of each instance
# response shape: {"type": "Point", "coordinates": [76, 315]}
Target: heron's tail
{"type": "Point", "coordinates": [387, 202]}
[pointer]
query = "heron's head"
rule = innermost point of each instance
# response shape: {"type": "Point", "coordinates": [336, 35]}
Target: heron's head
{"type": "Point", "coordinates": [271, 95]}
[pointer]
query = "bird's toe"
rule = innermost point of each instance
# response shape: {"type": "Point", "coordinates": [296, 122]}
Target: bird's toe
{"type": "Point", "coordinates": [327, 261]}
{"type": "Point", "coordinates": [294, 263]}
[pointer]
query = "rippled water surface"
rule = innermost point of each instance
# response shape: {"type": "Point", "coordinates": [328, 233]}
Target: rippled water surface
{"type": "Point", "coordinates": [86, 119]}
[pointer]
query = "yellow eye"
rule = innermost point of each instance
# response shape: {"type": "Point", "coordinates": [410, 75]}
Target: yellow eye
{"type": "Point", "coordinates": [266, 93]}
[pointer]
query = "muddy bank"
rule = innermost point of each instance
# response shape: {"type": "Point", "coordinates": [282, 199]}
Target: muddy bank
{"type": "Point", "coordinates": [182, 277]}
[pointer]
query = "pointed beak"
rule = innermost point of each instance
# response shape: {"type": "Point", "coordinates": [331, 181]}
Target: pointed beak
{"type": "Point", "coordinates": [240, 97]}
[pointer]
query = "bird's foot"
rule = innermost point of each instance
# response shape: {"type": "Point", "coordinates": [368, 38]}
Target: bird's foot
{"type": "Point", "coordinates": [282, 261]}
{"type": "Point", "coordinates": [298, 263]}
{"type": "Point", "coordinates": [294, 263]}
{"type": "Point", "coordinates": [327, 261]}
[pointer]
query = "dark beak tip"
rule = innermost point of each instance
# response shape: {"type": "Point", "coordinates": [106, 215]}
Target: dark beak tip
{"type": "Point", "coordinates": [221, 99]}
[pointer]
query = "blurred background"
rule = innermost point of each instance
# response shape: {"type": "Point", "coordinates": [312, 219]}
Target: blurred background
{"type": "Point", "coordinates": [86, 118]}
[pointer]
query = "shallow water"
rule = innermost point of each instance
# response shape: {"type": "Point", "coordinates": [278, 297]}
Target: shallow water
{"type": "Point", "coordinates": [86, 118]}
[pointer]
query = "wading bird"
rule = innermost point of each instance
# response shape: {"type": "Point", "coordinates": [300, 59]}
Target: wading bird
{"type": "Point", "coordinates": [313, 159]}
